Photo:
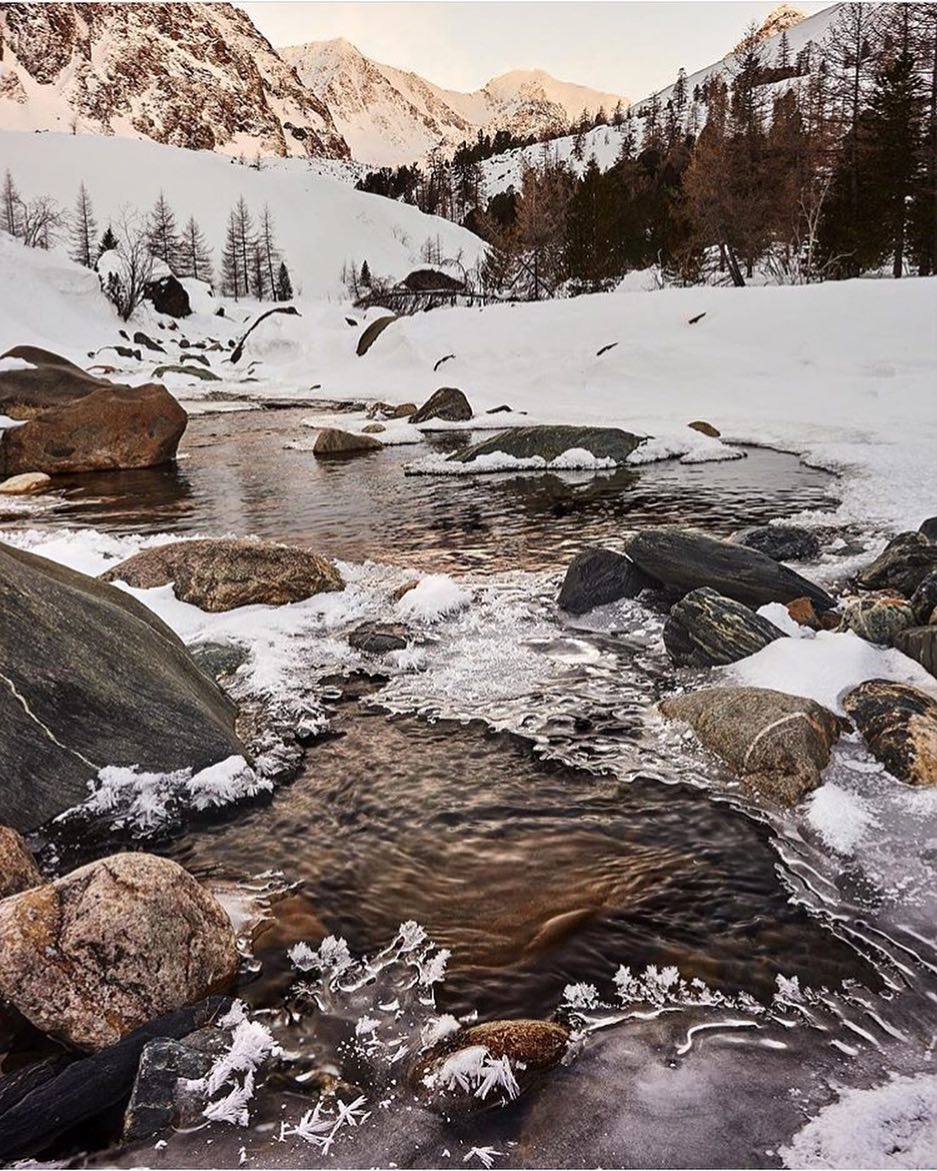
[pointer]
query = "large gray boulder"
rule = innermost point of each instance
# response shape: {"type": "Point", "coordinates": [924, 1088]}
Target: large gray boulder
{"type": "Point", "coordinates": [920, 643]}
{"type": "Point", "coordinates": [902, 565]}
{"type": "Point", "coordinates": [597, 577]}
{"type": "Point", "coordinates": [550, 442]}
{"type": "Point", "coordinates": [923, 600]}
{"type": "Point", "coordinates": [89, 677]}
{"type": "Point", "coordinates": [96, 954]}
{"type": "Point", "coordinates": [776, 743]}
{"type": "Point", "coordinates": [878, 619]}
{"type": "Point", "coordinates": [704, 629]}
{"type": "Point", "coordinates": [684, 560]}
{"type": "Point", "coordinates": [782, 542]}
{"type": "Point", "coordinates": [332, 441]}
{"type": "Point", "coordinates": [899, 725]}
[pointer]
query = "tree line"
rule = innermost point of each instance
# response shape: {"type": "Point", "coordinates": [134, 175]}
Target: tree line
{"type": "Point", "coordinates": [787, 167]}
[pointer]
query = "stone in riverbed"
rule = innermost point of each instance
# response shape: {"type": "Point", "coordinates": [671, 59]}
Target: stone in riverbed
{"type": "Point", "coordinates": [90, 677]}
{"type": "Point", "coordinates": [879, 619]}
{"type": "Point", "coordinates": [781, 542]}
{"type": "Point", "coordinates": [18, 871]}
{"type": "Point", "coordinates": [373, 429]}
{"type": "Point", "coordinates": [222, 574]}
{"type": "Point", "coordinates": [902, 565]}
{"type": "Point", "coordinates": [684, 560]}
{"type": "Point", "coordinates": [96, 954]}
{"type": "Point", "coordinates": [597, 577]}
{"type": "Point", "coordinates": [704, 629]}
{"type": "Point", "coordinates": [924, 600]}
{"type": "Point", "coordinates": [331, 441]}
{"type": "Point", "coordinates": [448, 403]}
{"type": "Point", "coordinates": [920, 643]}
{"type": "Point", "coordinates": [549, 442]}
{"type": "Point", "coordinates": [776, 743]}
{"type": "Point", "coordinates": [375, 638]}
{"type": "Point", "coordinates": [899, 725]}
{"type": "Point", "coordinates": [531, 1047]}
{"type": "Point", "coordinates": [25, 484]}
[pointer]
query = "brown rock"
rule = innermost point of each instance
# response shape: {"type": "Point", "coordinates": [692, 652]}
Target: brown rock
{"type": "Point", "coordinates": [25, 484]}
{"type": "Point", "coordinates": [18, 871]}
{"type": "Point", "coordinates": [98, 953]}
{"type": "Point", "coordinates": [49, 381]}
{"type": "Point", "coordinates": [804, 614]}
{"type": "Point", "coordinates": [110, 427]}
{"type": "Point", "coordinates": [401, 591]}
{"type": "Point", "coordinates": [373, 429]}
{"type": "Point", "coordinates": [777, 743]}
{"type": "Point", "coordinates": [705, 428]}
{"type": "Point", "coordinates": [372, 332]}
{"type": "Point", "coordinates": [899, 725]}
{"type": "Point", "coordinates": [920, 643]}
{"type": "Point", "coordinates": [447, 403]}
{"type": "Point", "coordinates": [878, 619]}
{"type": "Point", "coordinates": [226, 573]}
{"type": "Point", "coordinates": [333, 442]}
{"type": "Point", "coordinates": [404, 411]}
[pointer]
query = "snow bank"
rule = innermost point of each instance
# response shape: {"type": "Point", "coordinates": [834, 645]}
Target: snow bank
{"type": "Point", "coordinates": [574, 459]}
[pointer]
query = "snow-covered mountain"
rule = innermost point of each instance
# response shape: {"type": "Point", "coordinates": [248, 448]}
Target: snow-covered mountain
{"type": "Point", "coordinates": [389, 116]}
{"type": "Point", "coordinates": [778, 21]}
{"type": "Point", "coordinates": [185, 74]}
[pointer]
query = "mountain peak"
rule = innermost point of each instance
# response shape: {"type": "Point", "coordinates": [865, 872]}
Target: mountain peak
{"type": "Point", "coordinates": [782, 18]}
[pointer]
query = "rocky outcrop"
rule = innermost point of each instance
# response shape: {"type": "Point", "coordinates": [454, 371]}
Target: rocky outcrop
{"type": "Point", "coordinates": [18, 871]}
{"type": "Point", "coordinates": [372, 332]}
{"type": "Point", "coordinates": [923, 600]}
{"type": "Point", "coordinates": [448, 1076]}
{"type": "Point", "coordinates": [880, 619]}
{"type": "Point", "coordinates": [223, 574]}
{"type": "Point", "coordinates": [25, 484]}
{"type": "Point", "coordinates": [919, 643]}
{"type": "Point", "coordinates": [902, 565]}
{"type": "Point", "coordinates": [448, 403]}
{"type": "Point", "coordinates": [375, 638]}
{"type": "Point", "coordinates": [89, 677]}
{"type": "Point", "coordinates": [704, 629]}
{"type": "Point", "coordinates": [899, 725]}
{"type": "Point", "coordinates": [333, 442]}
{"type": "Point", "coordinates": [109, 427]}
{"type": "Point", "coordinates": [776, 743]}
{"type": "Point", "coordinates": [684, 560]}
{"type": "Point", "coordinates": [168, 296]}
{"type": "Point", "coordinates": [597, 577]}
{"type": "Point", "coordinates": [781, 542]}
{"type": "Point", "coordinates": [549, 442]}
{"type": "Point", "coordinates": [96, 954]}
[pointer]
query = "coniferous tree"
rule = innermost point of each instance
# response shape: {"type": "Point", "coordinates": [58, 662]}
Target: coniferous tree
{"type": "Point", "coordinates": [162, 233]}
{"type": "Point", "coordinates": [365, 275]}
{"type": "Point", "coordinates": [108, 241]}
{"type": "Point", "coordinates": [284, 287]}
{"type": "Point", "coordinates": [269, 253]}
{"type": "Point", "coordinates": [10, 207]}
{"type": "Point", "coordinates": [233, 275]}
{"type": "Point", "coordinates": [194, 259]}
{"type": "Point", "coordinates": [83, 229]}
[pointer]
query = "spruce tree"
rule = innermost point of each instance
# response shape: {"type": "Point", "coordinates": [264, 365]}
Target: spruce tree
{"type": "Point", "coordinates": [194, 258]}
{"type": "Point", "coordinates": [108, 241]}
{"type": "Point", "coordinates": [365, 275]}
{"type": "Point", "coordinates": [270, 254]}
{"type": "Point", "coordinates": [284, 287]}
{"type": "Point", "coordinates": [83, 229]}
{"type": "Point", "coordinates": [10, 207]}
{"type": "Point", "coordinates": [232, 274]}
{"type": "Point", "coordinates": [163, 234]}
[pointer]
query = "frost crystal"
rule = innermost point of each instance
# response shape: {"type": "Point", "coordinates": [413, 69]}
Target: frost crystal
{"type": "Point", "coordinates": [485, 1155]}
{"type": "Point", "coordinates": [320, 1128]}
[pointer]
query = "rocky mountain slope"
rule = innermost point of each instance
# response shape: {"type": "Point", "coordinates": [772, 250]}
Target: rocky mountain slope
{"type": "Point", "coordinates": [389, 116]}
{"type": "Point", "coordinates": [184, 74]}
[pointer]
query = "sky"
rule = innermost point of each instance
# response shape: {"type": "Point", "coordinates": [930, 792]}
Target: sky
{"type": "Point", "coordinates": [629, 48]}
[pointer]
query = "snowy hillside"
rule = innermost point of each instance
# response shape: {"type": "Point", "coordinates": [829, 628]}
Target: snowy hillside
{"type": "Point", "coordinates": [193, 75]}
{"type": "Point", "coordinates": [321, 223]}
{"type": "Point", "coordinates": [389, 116]}
{"type": "Point", "coordinates": [603, 144]}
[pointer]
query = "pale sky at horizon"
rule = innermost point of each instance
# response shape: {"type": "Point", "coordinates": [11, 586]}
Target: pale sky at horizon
{"type": "Point", "coordinates": [631, 48]}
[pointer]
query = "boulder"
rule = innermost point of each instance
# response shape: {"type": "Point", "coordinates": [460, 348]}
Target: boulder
{"type": "Point", "coordinates": [332, 442]}
{"type": "Point", "coordinates": [108, 428]}
{"type": "Point", "coordinates": [705, 428]}
{"type": "Point", "coordinates": [923, 600]}
{"type": "Point", "coordinates": [878, 619]}
{"type": "Point", "coordinates": [49, 381]}
{"type": "Point", "coordinates": [18, 871]}
{"type": "Point", "coordinates": [431, 280]}
{"type": "Point", "coordinates": [782, 542]}
{"type": "Point", "coordinates": [218, 659]}
{"type": "Point", "coordinates": [404, 411]}
{"type": "Point", "coordinates": [223, 574]}
{"type": "Point", "coordinates": [375, 638]}
{"type": "Point", "coordinates": [25, 484]}
{"type": "Point", "coordinates": [803, 613]}
{"type": "Point", "coordinates": [684, 560]}
{"type": "Point", "coordinates": [373, 429]}
{"type": "Point", "coordinates": [902, 565]}
{"type": "Point", "coordinates": [919, 643]}
{"type": "Point", "coordinates": [372, 332]}
{"type": "Point", "coordinates": [597, 577]}
{"type": "Point", "coordinates": [704, 629]}
{"type": "Point", "coordinates": [90, 677]}
{"type": "Point", "coordinates": [448, 1075]}
{"type": "Point", "coordinates": [96, 954]}
{"type": "Point", "coordinates": [899, 725]}
{"type": "Point", "coordinates": [776, 743]}
{"type": "Point", "coordinates": [142, 339]}
{"type": "Point", "coordinates": [167, 295]}
{"type": "Point", "coordinates": [448, 403]}
{"type": "Point", "coordinates": [550, 442]}
{"type": "Point", "coordinates": [929, 528]}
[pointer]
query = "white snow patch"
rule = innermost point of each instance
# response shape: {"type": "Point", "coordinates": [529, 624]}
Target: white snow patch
{"type": "Point", "coordinates": [778, 614]}
{"type": "Point", "coordinates": [842, 818]}
{"type": "Point", "coordinates": [435, 596]}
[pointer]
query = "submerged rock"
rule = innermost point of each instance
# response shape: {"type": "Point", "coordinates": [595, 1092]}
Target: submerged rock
{"type": "Point", "coordinates": [782, 542]}
{"type": "Point", "coordinates": [90, 677]}
{"type": "Point", "coordinates": [704, 629]}
{"type": "Point", "coordinates": [375, 638]}
{"type": "Point", "coordinates": [924, 600]}
{"type": "Point", "coordinates": [332, 441]}
{"type": "Point", "coordinates": [902, 565]}
{"type": "Point", "coordinates": [899, 724]}
{"type": "Point", "coordinates": [684, 560]}
{"type": "Point", "coordinates": [777, 743]}
{"type": "Point", "coordinates": [597, 577]}
{"type": "Point", "coordinates": [18, 871]}
{"type": "Point", "coordinates": [919, 643]}
{"type": "Point", "coordinates": [878, 620]}
{"type": "Point", "coordinates": [25, 484]}
{"type": "Point", "coordinates": [110, 427]}
{"type": "Point", "coordinates": [549, 442]}
{"type": "Point", "coordinates": [449, 1075]}
{"type": "Point", "coordinates": [96, 954]}
{"type": "Point", "coordinates": [222, 574]}
{"type": "Point", "coordinates": [448, 403]}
